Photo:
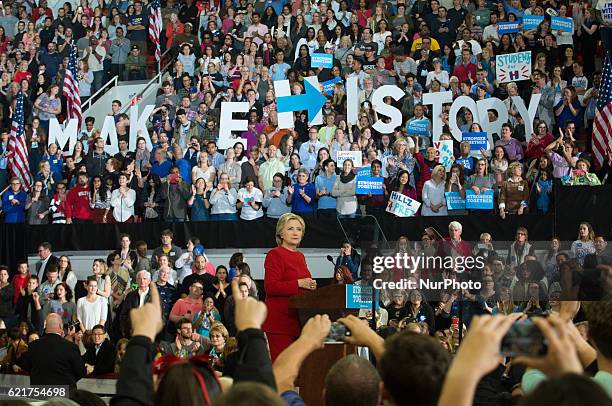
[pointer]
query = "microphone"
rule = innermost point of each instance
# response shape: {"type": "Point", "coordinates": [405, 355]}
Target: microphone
{"type": "Point", "coordinates": [331, 259]}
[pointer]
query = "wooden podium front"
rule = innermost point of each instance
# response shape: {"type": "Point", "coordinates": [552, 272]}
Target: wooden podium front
{"type": "Point", "coordinates": [330, 300]}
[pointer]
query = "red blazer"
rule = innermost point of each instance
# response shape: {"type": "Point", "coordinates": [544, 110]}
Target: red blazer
{"type": "Point", "coordinates": [283, 268]}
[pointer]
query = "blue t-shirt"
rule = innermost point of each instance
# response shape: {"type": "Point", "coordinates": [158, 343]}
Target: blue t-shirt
{"type": "Point", "coordinates": [138, 35]}
{"type": "Point", "coordinates": [184, 169]}
{"type": "Point", "coordinates": [326, 202]}
{"type": "Point", "coordinates": [162, 170]}
{"type": "Point", "coordinates": [298, 204]}
{"type": "Point", "coordinates": [56, 164]}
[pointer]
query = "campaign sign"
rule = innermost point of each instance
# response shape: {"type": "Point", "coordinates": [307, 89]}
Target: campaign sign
{"type": "Point", "coordinates": [321, 60]}
{"type": "Point", "coordinates": [531, 22]}
{"type": "Point", "coordinates": [562, 23]}
{"type": "Point", "coordinates": [444, 153]}
{"type": "Point", "coordinates": [477, 141]}
{"type": "Point", "coordinates": [402, 206]}
{"type": "Point", "coordinates": [359, 297]}
{"type": "Point", "coordinates": [328, 86]}
{"type": "Point", "coordinates": [454, 201]}
{"type": "Point", "coordinates": [507, 28]}
{"type": "Point", "coordinates": [482, 201]}
{"type": "Point", "coordinates": [369, 184]}
{"type": "Point", "coordinates": [354, 156]}
{"type": "Point", "coordinates": [418, 127]}
{"type": "Point", "coordinates": [364, 171]}
{"type": "Point", "coordinates": [513, 67]}
{"type": "Point", "coordinates": [465, 162]}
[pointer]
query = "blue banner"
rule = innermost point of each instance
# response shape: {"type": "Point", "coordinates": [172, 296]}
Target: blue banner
{"type": "Point", "coordinates": [364, 171]}
{"type": "Point", "coordinates": [454, 201]}
{"type": "Point", "coordinates": [419, 127]}
{"type": "Point", "coordinates": [369, 184]}
{"type": "Point", "coordinates": [531, 22]}
{"type": "Point", "coordinates": [477, 141]}
{"type": "Point", "coordinates": [466, 162]}
{"type": "Point", "coordinates": [328, 86]}
{"type": "Point", "coordinates": [562, 23]}
{"type": "Point", "coordinates": [321, 60]}
{"type": "Point", "coordinates": [359, 297]}
{"type": "Point", "coordinates": [507, 28]}
{"type": "Point", "coordinates": [482, 201]}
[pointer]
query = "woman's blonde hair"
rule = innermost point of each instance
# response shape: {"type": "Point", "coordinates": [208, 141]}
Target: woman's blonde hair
{"type": "Point", "coordinates": [512, 166]}
{"type": "Point", "coordinates": [219, 328]}
{"type": "Point", "coordinates": [282, 222]}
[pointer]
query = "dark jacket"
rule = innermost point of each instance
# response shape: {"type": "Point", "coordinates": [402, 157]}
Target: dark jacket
{"type": "Point", "coordinates": [104, 361]}
{"type": "Point", "coordinates": [96, 163]}
{"type": "Point", "coordinates": [175, 199]}
{"type": "Point", "coordinates": [51, 360]}
{"type": "Point", "coordinates": [135, 384]}
{"type": "Point", "coordinates": [131, 301]}
{"type": "Point", "coordinates": [53, 260]}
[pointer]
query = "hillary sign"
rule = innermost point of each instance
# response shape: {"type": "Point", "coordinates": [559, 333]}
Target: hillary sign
{"type": "Point", "coordinates": [402, 206]}
{"type": "Point", "coordinates": [513, 67]}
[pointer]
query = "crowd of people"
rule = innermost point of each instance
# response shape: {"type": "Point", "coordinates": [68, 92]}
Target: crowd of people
{"type": "Point", "coordinates": [174, 315]}
{"type": "Point", "coordinates": [233, 52]}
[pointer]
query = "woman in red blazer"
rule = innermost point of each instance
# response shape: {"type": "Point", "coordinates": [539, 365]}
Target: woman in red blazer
{"type": "Point", "coordinates": [286, 275]}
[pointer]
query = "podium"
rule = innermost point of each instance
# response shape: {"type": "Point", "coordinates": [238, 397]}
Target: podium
{"type": "Point", "coordinates": [330, 300]}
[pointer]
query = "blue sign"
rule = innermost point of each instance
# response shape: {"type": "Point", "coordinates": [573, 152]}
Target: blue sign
{"type": "Point", "coordinates": [507, 28]}
{"type": "Point", "coordinates": [328, 86]}
{"type": "Point", "coordinates": [531, 22]}
{"type": "Point", "coordinates": [482, 201]}
{"type": "Point", "coordinates": [359, 297]}
{"type": "Point", "coordinates": [477, 141]}
{"type": "Point", "coordinates": [312, 101]}
{"type": "Point", "coordinates": [321, 60]}
{"type": "Point", "coordinates": [418, 127]}
{"type": "Point", "coordinates": [364, 171]}
{"type": "Point", "coordinates": [466, 162]}
{"type": "Point", "coordinates": [562, 23]}
{"type": "Point", "coordinates": [454, 201]}
{"type": "Point", "coordinates": [369, 184]}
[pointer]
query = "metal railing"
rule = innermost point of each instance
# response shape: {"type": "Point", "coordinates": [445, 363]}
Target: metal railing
{"type": "Point", "coordinates": [157, 79]}
{"type": "Point", "coordinates": [92, 98]}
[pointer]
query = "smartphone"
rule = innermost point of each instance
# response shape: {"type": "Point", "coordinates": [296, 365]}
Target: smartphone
{"type": "Point", "coordinates": [337, 331]}
{"type": "Point", "coordinates": [524, 338]}
{"type": "Point", "coordinates": [134, 286]}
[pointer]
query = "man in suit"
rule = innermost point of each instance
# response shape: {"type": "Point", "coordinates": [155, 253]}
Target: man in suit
{"type": "Point", "coordinates": [46, 258]}
{"type": "Point", "coordinates": [99, 358]}
{"type": "Point", "coordinates": [51, 360]}
{"type": "Point", "coordinates": [133, 300]}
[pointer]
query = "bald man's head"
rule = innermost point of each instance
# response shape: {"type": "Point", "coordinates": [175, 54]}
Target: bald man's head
{"type": "Point", "coordinates": [54, 324]}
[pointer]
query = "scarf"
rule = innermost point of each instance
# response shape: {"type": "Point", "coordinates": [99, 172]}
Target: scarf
{"type": "Point", "coordinates": [347, 178]}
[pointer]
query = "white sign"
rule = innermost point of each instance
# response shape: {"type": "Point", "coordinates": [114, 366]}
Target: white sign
{"type": "Point", "coordinates": [513, 67]}
{"type": "Point", "coordinates": [354, 156]}
{"type": "Point", "coordinates": [444, 153]}
{"type": "Point", "coordinates": [402, 206]}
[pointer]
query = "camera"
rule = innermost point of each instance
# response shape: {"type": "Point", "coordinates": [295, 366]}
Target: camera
{"type": "Point", "coordinates": [524, 338]}
{"type": "Point", "coordinates": [337, 332]}
{"type": "Point", "coordinates": [76, 324]}
{"type": "Point", "coordinates": [173, 179]}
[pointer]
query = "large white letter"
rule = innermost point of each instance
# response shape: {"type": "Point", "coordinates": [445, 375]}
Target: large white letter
{"type": "Point", "coordinates": [352, 100]}
{"type": "Point", "coordinates": [139, 125]}
{"type": "Point", "coordinates": [461, 101]}
{"type": "Point", "coordinates": [437, 99]}
{"type": "Point", "coordinates": [229, 124]}
{"type": "Point", "coordinates": [492, 103]}
{"type": "Point", "coordinates": [281, 89]}
{"type": "Point", "coordinates": [386, 109]}
{"type": "Point", "coordinates": [62, 137]}
{"type": "Point", "coordinates": [527, 115]}
{"type": "Point", "coordinates": [109, 130]}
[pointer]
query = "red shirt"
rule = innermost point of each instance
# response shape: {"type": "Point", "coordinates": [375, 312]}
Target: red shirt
{"type": "Point", "coordinates": [465, 72]}
{"type": "Point", "coordinates": [283, 268]}
{"type": "Point", "coordinates": [536, 150]}
{"type": "Point", "coordinates": [19, 282]}
{"type": "Point", "coordinates": [77, 203]}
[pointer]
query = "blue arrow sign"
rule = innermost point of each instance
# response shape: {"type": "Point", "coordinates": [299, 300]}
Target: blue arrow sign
{"type": "Point", "coordinates": [312, 101]}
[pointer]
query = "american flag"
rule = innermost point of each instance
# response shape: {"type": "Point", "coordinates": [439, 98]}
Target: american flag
{"type": "Point", "coordinates": [155, 27]}
{"type": "Point", "coordinates": [18, 152]}
{"type": "Point", "coordinates": [71, 87]}
{"type": "Point", "coordinates": [602, 127]}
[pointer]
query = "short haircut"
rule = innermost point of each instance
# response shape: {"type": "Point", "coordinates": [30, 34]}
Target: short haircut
{"type": "Point", "coordinates": [424, 364]}
{"type": "Point", "coordinates": [599, 315]}
{"type": "Point", "coordinates": [167, 232]}
{"type": "Point", "coordinates": [182, 321]}
{"type": "Point", "coordinates": [98, 327]}
{"type": "Point", "coordinates": [249, 394]}
{"type": "Point", "coordinates": [352, 381]}
{"type": "Point", "coordinates": [46, 245]}
{"type": "Point", "coordinates": [91, 278]}
{"type": "Point", "coordinates": [568, 389]}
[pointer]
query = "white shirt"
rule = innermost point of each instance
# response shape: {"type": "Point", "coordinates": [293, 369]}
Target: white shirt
{"type": "Point", "coordinates": [248, 212]}
{"type": "Point", "coordinates": [433, 194]}
{"type": "Point", "coordinates": [123, 208]}
{"type": "Point", "coordinates": [142, 295]}
{"type": "Point", "coordinates": [94, 64]}
{"type": "Point", "coordinates": [90, 314]}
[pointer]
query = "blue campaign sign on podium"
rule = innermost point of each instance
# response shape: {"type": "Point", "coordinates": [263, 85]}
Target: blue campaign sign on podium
{"type": "Point", "coordinates": [359, 297]}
